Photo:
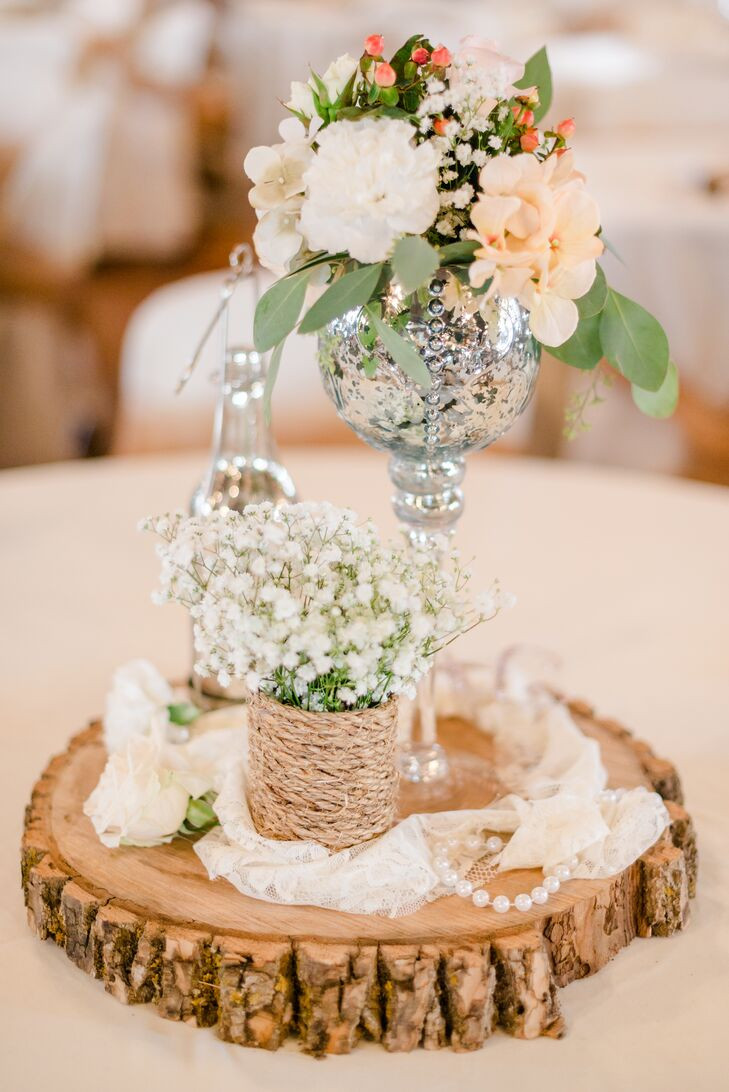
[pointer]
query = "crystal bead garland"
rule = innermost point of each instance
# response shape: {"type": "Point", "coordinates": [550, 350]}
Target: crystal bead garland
{"type": "Point", "coordinates": [426, 760]}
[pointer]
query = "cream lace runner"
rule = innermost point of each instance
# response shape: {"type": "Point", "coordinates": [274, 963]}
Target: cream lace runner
{"type": "Point", "coordinates": [557, 807]}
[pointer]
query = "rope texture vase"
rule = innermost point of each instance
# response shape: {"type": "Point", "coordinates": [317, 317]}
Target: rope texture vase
{"type": "Point", "coordinates": [330, 778]}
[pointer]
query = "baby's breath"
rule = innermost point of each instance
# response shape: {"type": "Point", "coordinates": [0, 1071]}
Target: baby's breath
{"type": "Point", "coordinates": [307, 605]}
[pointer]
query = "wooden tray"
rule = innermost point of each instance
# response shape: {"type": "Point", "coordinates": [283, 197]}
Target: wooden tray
{"type": "Point", "coordinates": [150, 925]}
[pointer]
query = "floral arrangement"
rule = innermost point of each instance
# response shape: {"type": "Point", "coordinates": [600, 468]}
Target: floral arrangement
{"type": "Point", "coordinates": [308, 606]}
{"type": "Point", "coordinates": [389, 170]}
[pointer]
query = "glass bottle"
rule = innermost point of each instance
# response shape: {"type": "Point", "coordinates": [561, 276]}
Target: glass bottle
{"type": "Point", "coordinates": [244, 465]}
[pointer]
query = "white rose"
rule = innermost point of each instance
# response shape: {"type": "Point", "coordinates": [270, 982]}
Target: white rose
{"type": "Point", "coordinates": [369, 184]}
{"type": "Point", "coordinates": [338, 74]}
{"type": "Point", "coordinates": [302, 99]}
{"type": "Point", "coordinates": [335, 79]}
{"type": "Point", "coordinates": [141, 798]}
{"type": "Point", "coordinates": [138, 692]}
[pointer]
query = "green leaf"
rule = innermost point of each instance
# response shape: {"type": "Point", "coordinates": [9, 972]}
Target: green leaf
{"type": "Point", "coordinates": [593, 301]}
{"type": "Point", "coordinates": [402, 351]}
{"type": "Point", "coordinates": [414, 262]}
{"type": "Point", "coordinates": [278, 310]}
{"type": "Point", "coordinates": [271, 376]}
{"type": "Point", "coordinates": [183, 712]}
{"type": "Point", "coordinates": [634, 342]}
{"type": "Point", "coordinates": [352, 290]}
{"type": "Point", "coordinates": [345, 96]}
{"type": "Point", "coordinates": [537, 73]}
{"type": "Point", "coordinates": [373, 94]}
{"type": "Point", "coordinates": [200, 814]}
{"type": "Point", "coordinates": [453, 253]}
{"type": "Point", "coordinates": [403, 54]}
{"type": "Point", "coordinates": [582, 350]}
{"type": "Point", "coordinates": [660, 403]}
{"type": "Point", "coordinates": [320, 259]}
{"type": "Point", "coordinates": [321, 88]}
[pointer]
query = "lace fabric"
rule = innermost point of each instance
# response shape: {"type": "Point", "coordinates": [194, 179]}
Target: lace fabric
{"type": "Point", "coordinates": [556, 808]}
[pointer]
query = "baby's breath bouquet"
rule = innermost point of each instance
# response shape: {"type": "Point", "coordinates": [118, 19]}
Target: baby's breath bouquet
{"type": "Point", "coordinates": [308, 606]}
{"type": "Point", "coordinates": [326, 626]}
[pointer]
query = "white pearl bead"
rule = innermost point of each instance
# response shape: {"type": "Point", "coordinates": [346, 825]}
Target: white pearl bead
{"type": "Point", "coordinates": [480, 897]}
{"type": "Point", "coordinates": [452, 843]}
{"type": "Point", "coordinates": [540, 895]}
{"type": "Point", "coordinates": [573, 862]}
{"type": "Point", "coordinates": [473, 842]}
{"type": "Point", "coordinates": [523, 903]}
{"type": "Point", "coordinates": [464, 888]}
{"type": "Point", "coordinates": [442, 867]}
{"type": "Point", "coordinates": [562, 872]}
{"type": "Point", "coordinates": [551, 884]}
{"type": "Point", "coordinates": [494, 844]}
{"type": "Point", "coordinates": [501, 904]}
{"type": "Point", "coordinates": [450, 878]}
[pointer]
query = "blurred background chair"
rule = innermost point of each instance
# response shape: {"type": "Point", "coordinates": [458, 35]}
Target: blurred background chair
{"type": "Point", "coordinates": [123, 125]}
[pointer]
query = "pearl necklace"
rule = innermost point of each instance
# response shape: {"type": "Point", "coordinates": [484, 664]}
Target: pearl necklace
{"type": "Point", "coordinates": [479, 896]}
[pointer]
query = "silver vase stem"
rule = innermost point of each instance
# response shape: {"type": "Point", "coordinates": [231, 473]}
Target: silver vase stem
{"type": "Point", "coordinates": [428, 503]}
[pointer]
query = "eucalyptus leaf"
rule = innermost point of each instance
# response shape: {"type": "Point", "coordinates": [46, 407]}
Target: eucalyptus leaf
{"type": "Point", "coordinates": [352, 290]}
{"type": "Point", "coordinates": [454, 253]}
{"type": "Point", "coordinates": [593, 300]}
{"type": "Point", "coordinates": [414, 261]}
{"type": "Point", "coordinates": [271, 376]}
{"type": "Point", "coordinates": [278, 310]}
{"type": "Point", "coordinates": [633, 341]}
{"type": "Point", "coordinates": [402, 351]}
{"type": "Point", "coordinates": [660, 403]}
{"type": "Point", "coordinates": [537, 73]}
{"type": "Point", "coordinates": [183, 712]}
{"type": "Point", "coordinates": [582, 350]}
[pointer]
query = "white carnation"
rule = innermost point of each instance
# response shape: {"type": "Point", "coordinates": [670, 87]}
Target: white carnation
{"type": "Point", "coordinates": [368, 185]}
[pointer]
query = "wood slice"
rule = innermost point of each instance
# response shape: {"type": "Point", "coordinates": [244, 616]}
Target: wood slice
{"type": "Point", "coordinates": [154, 929]}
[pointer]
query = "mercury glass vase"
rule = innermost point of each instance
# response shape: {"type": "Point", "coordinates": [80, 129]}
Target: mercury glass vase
{"type": "Point", "coordinates": [483, 363]}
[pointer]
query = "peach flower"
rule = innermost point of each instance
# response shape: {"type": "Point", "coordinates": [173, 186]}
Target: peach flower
{"type": "Point", "coordinates": [536, 225]}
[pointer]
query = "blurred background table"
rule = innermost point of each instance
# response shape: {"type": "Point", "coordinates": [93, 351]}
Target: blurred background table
{"type": "Point", "coordinates": [622, 576]}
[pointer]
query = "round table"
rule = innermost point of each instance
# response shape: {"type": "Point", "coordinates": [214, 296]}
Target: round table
{"type": "Point", "coordinates": [623, 577]}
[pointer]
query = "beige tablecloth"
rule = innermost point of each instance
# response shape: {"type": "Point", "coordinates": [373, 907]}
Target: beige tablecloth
{"type": "Point", "coordinates": [624, 577]}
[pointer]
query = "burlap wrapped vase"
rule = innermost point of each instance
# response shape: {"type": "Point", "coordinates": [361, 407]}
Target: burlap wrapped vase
{"type": "Point", "coordinates": [330, 778]}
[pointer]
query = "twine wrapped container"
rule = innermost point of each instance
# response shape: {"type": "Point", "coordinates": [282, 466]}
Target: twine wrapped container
{"type": "Point", "coordinates": [330, 778]}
